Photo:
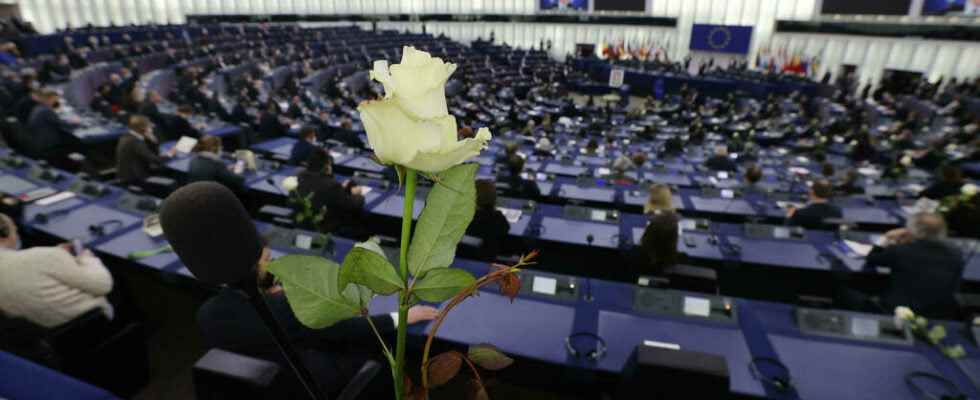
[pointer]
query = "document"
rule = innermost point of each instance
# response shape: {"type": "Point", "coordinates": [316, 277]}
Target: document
{"type": "Point", "coordinates": [544, 285]}
{"type": "Point", "coordinates": [185, 145]}
{"type": "Point", "coordinates": [697, 307]}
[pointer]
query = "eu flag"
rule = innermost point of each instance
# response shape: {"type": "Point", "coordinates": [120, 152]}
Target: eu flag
{"type": "Point", "coordinates": [721, 38]}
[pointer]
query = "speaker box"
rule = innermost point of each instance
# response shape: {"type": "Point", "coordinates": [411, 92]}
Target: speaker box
{"type": "Point", "coordinates": [658, 373]}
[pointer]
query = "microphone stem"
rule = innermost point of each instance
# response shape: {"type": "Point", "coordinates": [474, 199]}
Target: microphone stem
{"type": "Point", "coordinates": [282, 342]}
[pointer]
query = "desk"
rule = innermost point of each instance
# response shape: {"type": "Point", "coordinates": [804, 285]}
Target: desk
{"type": "Point", "coordinates": [75, 224]}
{"type": "Point", "coordinates": [577, 232]}
{"type": "Point", "coordinates": [137, 240]}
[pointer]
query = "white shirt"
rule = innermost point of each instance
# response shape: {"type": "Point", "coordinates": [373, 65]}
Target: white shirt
{"type": "Point", "coordinates": [48, 287]}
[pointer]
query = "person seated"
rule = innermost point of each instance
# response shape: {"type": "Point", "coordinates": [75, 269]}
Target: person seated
{"type": "Point", "coordinates": [343, 202]}
{"type": "Point", "coordinates": [488, 223]}
{"type": "Point", "coordinates": [720, 161]}
{"type": "Point", "coordinates": [334, 354]}
{"type": "Point", "coordinates": [925, 270]}
{"type": "Point", "coordinates": [544, 148]}
{"type": "Point", "coordinates": [658, 246]}
{"type": "Point", "coordinates": [659, 199]}
{"type": "Point", "coordinates": [520, 187]}
{"type": "Point", "coordinates": [304, 146]}
{"type": "Point", "coordinates": [295, 110]}
{"type": "Point", "coordinates": [150, 108]}
{"type": "Point", "coordinates": [827, 171]}
{"type": "Point", "coordinates": [269, 125]}
{"type": "Point", "coordinates": [949, 184]}
{"type": "Point", "coordinates": [851, 184]}
{"type": "Point", "coordinates": [814, 215]}
{"type": "Point", "coordinates": [137, 152]}
{"type": "Point", "coordinates": [510, 150]}
{"type": "Point", "coordinates": [673, 146]}
{"type": "Point", "coordinates": [49, 286]}
{"type": "Point", "coordinates": [863, 149]}
{"type": "Point", "coordinates": [753, 177]}
{"type": "Point", "coordinates": [345, 134]}
{"type": "Point", "coordinates": [208, 166]}
{"type": "Point", "coordinates": [49, 133]}
{"type": "Point", "coordinates": [592, 147]}
{"type": "Point", "coordinates": [181, 125]}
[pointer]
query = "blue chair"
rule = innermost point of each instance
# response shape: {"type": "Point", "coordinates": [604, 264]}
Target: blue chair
{"type": "Point", "coordinates": [24, 380]}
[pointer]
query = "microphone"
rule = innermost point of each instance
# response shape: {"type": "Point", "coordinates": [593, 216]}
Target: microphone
{"type": "Point", "coordinates": [212, 233]}
{"type": "Point", "coordinates": [43, 218]}
{"type": "Point", "coordinates": [588, 288]}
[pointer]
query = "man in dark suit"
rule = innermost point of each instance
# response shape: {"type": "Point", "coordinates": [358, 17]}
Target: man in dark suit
{"type": "Point", "coordinates": [304, 146]}
{"type": "Point", "coordinates": [180, 126]}
{"type": "Point", "coordinates": [150, 109]}
{"type": "Point", "coordinates": [949, 184]}
{"type": "Point", "coordinates": [295, 110]}
{"type": "Point", "coordinates": [518, 186]}
{"type": "Point", "coordinates": [49, 134]}
{"type": "Point", "coordinates": [753, 174]}
{"type": "Point", "coordinates": [342, 201]}
{"type": "Point", "coordinates": [136, 152]}
{"type": "Point", "coordinates": [819, 209]}
{"type": "Point", "coordinates": [208, 166]}
{"type": "Point", "coordinates": [720, 161]}
{"type": "Point", "coordinates": [925, 270]}
{"type": "Point", "coordinates": [269, 125]}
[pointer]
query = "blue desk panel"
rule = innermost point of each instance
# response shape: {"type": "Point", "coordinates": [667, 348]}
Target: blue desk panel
{"type": "Point", "coordinates": [392, 206]}
{"type": "Point", "coordinates": [15, 185]}
{"type": "Point", "coordinates": [76, 224]}
{"type": "Point", "coordinates": [623, 332]}
{"type": "Point", "coordinates": [363, 163]}
{"type": "Point", "coordinates": [780, 252]}
{"type": "Point", "coordinates": [572, 231]}
{"type": "Point", "coordinates": [834, 370]}
{"type": "Point", "coordinates": [137, 240]}
{"type": "Point", "coordinates": [730, 206]}
{"type": "Point", "coordinates": [559, 169]}
{"type": "Point", "coordinates": [596, 194]}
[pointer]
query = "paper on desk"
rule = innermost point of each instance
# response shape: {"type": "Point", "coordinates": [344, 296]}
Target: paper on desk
{"type": "Point", "coordinates": [868, 171]}
{"type": "Point", "coordinates": [185, 145]}
{"type": "Point", "coordinates": [722, 175]}
{"type": "Point", "coordinates": [511, 214]}
{"type": "Point", "coordinates": [697, 306]}
{"type": "Point", "coordinates": [544, 285]}
{"type": "Point", "coordinates": [799, 170]}
{"type": "Point", "coordinates": [54, 199]}
{"type": "Point", "coordinates": [727, 194]}
{"type": "Point", "coordinates": [603, 171]}
{"type": "Point", "coordinates": [598, 215]}
{"type": "Point", "coordinates": [859, 248]}
{"type": "Point", "coordinates": [914, 187]}
{"type": "Point", "coordinates": [787, 204]}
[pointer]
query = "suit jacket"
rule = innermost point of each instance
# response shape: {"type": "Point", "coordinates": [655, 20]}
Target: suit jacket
{"type": "Point", "coordinates": [301, 152]}
{"type": "Point", "coordinates": [925, 275]}
{"type": "Point", "coordinates": [179, 126]}
{"type": "Point", "coordinates": [270, 127]}
{"type": "Point", "coordinates": [491, 226]}
{"type": "Point", "coordinates": [721, 163]}
{"type": "Point", "coordinates": [135, 158]}
{"type": "Point", "coordinates": [205, 167]}
{"type": "Point", "coordinates": [521, 187]}
{"type": "Point", "coordinates": [228, 321]}
{"type": "Point", "coordinates": [48, 132]}
{"type": "Point", "coordinates": [150, 110]}
{"type": "Point", "coordinates": [343, 208]}
{"type": "Point", "coordinates": [940, 190]}
{"type": "Point", "coordinates": [813, 215]}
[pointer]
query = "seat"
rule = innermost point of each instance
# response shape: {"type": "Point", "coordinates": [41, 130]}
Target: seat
{"type": "Point", "coordinates": [108, 354]}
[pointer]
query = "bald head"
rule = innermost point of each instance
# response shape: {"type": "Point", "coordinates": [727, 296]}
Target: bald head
{"type": "Point", "coordinates": [927, 226]}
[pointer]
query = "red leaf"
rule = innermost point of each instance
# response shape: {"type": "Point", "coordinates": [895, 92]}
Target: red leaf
{"type": "Point", "coordinates": [489, 357]}
{"type": "Point", "coordinates": [510, 285]}
{"type": "Point", "coordinates": [412, 392]}
{"type": "Point", "coordinates": [477, 391]}
{"type": "Point", "coordinates": [444, 367]}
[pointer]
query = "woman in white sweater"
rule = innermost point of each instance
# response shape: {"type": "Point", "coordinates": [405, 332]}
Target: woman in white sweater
{"type": "Point", "coordinates": [48, 285]}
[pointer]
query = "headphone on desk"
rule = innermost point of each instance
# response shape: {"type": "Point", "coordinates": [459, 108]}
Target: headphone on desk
{"type": "Point", "coordinates": [99, 229]}
{"type": "Point", "coordinates": [594, 354]}
{"type": "Point", "coordinates": [921, 393]}
{"type": "Point", "coordinates": [782, 382]}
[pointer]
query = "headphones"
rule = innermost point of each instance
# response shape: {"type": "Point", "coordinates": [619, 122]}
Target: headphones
{"type": "Point", "coordinates": [782, 383]}
{"type": "Point", "coordinates": [593, 355]}
{"type": "Point", "coordinates": [99, 229]}
{"type": "Point", "coordinates": [953, 392]}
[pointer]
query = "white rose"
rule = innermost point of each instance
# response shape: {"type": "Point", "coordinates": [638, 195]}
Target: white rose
{"type": "Point", "coordinates": [906, 160]}
{"type": "Point", "coordinates": [417, 84]}
{"type": "Point", "coordinates": [289, 184]}
{"type": "Point", "coordinates": [903, 314]}
{"type": "Point", "coordinates": [853, 143]}
{"type": "Point", "coordinates": [969, 189]}
{"type": "Point", "coordinates": [427, 145]}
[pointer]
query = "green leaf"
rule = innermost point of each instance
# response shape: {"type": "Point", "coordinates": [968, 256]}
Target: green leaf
{"type": "Point", "coordinates": [954, 351]}
{"type": "Point", "coordinates": [448, 211]}
{"type": "Point", "coordinates": [936, 334]}
{"type": "Point", "coordinates": [400, 170]}
{"type": "Point", "coordinates": [365, 267]}
{"type": "Point", "coordinates": [489, 357]}
{"type": "Point", "coordinates": [441, 284]}
{"type": "Point", "coordinates": [311, 289]}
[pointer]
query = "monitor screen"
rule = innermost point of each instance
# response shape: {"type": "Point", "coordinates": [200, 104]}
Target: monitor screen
{"type": "Point", "coordinates": [872, 7]}
{"type": "Point", "coordinates": [620, 5]}
{"type": "Point", "coordinates": [945, 7]}
{"type": "Point", "coordinates": [564, 5]}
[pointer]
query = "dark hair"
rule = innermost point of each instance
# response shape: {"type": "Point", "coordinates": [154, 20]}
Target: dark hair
{"type": "Point", "coordinates": [822, 189]}
{"type": "Point", "coordinates": [319, 160]}
{"type": "Point", "coordinates": [185, 109]}
{"type": "Point", "coordinates": [827, 169]}
{"type": "Point", "coordinates": [659, 241]}
{"type": "Point", "coordinates": [753, 173]}
{"type": "Point", "coordinates": [207, 143]}
{"type": "Point", "coordinates": [307, 132]}
{"type": "Point", "coordinates": [515, 164]}
{"type": "Point", "coordinates": [486, 194]}
{"type": "Point", "coordinates": [952, 174]}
